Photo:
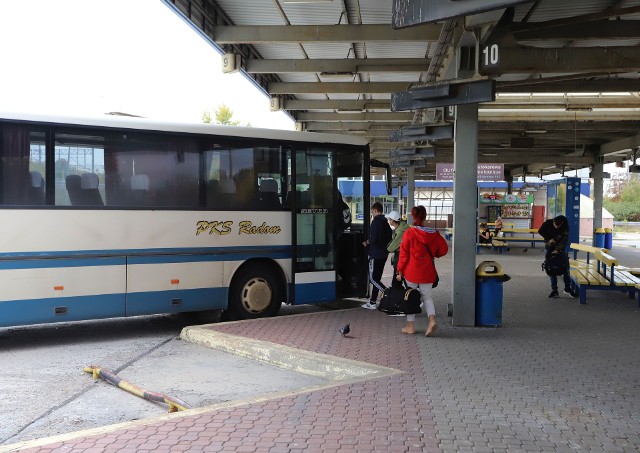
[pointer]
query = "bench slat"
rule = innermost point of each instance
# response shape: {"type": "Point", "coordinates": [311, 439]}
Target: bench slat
{"type": "Point", "coordinates": [632, 270]}
{"type": "Point", "coordinates": [586, 248]}
{"type": "Point", "coordinates": [579, 263]}
{"type": "Point", "coordinates": [520, 230]}
{"type": "Point", "coordinates": [617, 280]}
{"type": "Point", "coordinates": [628, 277]}
{"type": "Point", "coordinates": [594, 277]}
{"type": "Point", "coordinates": [577, 275]}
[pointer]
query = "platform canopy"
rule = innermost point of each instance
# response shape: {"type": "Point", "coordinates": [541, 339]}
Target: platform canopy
{"type": "Point", "coordinates": [566, 72]}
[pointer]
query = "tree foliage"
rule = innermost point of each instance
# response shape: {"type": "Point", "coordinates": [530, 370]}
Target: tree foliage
{"type": "Point", "coordinates": [625, 203]}
{"type": "Point", "coordinates": [222, 115]}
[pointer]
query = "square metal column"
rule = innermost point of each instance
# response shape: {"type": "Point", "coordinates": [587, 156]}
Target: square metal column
{"type": "Point", "coordinates": [465, 199]}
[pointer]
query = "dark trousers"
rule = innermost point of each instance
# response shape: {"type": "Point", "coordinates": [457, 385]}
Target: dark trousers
{"type": "Point", "coordinates": [376, 266]}
{"type": "Point", "coordinates": [566, 277]}
{"type": "Point", "coordinates": [394, 282]}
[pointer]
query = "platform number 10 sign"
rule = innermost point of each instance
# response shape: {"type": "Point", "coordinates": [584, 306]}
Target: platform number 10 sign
{"type": "Point", "coordinates": [490, 55]}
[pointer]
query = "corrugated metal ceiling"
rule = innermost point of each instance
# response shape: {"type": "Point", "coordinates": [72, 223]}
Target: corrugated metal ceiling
{"type": "Point", "coordinates": [548, 71]}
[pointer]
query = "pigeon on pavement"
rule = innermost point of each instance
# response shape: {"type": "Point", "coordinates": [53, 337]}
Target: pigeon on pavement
{"type": "Point", "coordinates": [525, 250]}
{"type": "Point", "coordinates": [345, 330]}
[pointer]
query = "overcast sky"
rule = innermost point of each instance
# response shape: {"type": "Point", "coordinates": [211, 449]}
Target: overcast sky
{"type": "Point", "coordinates": [89, 57]}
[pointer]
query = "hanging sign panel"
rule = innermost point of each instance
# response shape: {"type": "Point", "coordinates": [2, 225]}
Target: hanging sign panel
{"type": "Point", "coordinates": [486, 172]}
{"type": "Point", "coordinates": [413, 12]}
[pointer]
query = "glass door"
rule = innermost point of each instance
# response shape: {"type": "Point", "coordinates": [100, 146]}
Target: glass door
{"type": "Point", "coordinates": [312, 182]}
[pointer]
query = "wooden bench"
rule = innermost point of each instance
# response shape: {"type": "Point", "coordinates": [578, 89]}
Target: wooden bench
{"type": "Point", "coordinates": [588, 250]}
{"type": "Point", "coordinates": [601, 274]}
{"type": "Point", "coordinates": [492, 225]}
{"type": "Point", "coordinates": [529, 235]}
{"type": "Point", "coordinates": [495, 244]}
{"type": "Point", "coordinates": [448, 232]}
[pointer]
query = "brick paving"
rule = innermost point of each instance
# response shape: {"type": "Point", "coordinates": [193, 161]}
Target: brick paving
{"type": "Point", "coordinates": [557, 376]}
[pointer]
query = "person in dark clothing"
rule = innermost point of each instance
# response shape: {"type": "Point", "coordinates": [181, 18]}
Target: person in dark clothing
{"type": "Point", "coordinates": [343, 214]}
{"type": "Point", "coordinates": [379, 237]}
{"type": "Point", "coordinates": [484, 236]}
{"type": "Point", "coordinates": [555, 233]}
{"type": "Point", "coordinates": [342, 219]}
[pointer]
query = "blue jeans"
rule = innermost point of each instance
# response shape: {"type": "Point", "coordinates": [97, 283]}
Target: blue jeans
{"type": "Point", "coordinates": [566, 277]}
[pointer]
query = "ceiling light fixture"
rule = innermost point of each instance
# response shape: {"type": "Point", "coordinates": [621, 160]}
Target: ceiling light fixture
{"type": "Point", "coordinates": [579, 109]}
{"type": "Point", "coordinates": [535, 131]}
{"type": "Point", "coordinates": [337, 74]}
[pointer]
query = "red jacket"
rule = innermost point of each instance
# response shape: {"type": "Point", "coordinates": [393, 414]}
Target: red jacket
{"type": "Point", "coordinates": [415, 263]}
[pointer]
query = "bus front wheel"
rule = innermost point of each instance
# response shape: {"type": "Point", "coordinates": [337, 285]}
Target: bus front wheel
{"type": "Point", "coordinates": [255, 293]}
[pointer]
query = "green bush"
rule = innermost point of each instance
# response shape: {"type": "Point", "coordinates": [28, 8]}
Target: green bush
{"type": "Point", "coordinates": [625, 211]}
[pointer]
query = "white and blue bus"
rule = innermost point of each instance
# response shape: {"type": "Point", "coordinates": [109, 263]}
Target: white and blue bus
{"type": "Point", "coordinates": [118, 216]}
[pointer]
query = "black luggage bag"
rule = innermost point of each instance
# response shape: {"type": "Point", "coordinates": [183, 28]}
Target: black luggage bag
{"type": "Point", "coordinates": [400, 300]}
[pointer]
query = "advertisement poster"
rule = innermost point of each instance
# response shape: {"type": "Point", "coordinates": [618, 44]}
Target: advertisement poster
{"type": "Point", "coordinates": [486, 172]}
{"type": "Point", "coordinates": [498, 198]}
{"type": "Point", "coordinates": [516, 211]}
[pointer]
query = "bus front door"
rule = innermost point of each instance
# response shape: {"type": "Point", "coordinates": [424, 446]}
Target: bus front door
{"type": "Point", "coordinates": [312, 181]}
{"type": "Point", "coordinates": [351, 256]}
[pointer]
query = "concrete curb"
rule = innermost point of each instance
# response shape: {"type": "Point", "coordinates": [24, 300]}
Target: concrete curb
{"type": "Point", "coordinates": [298, 360]}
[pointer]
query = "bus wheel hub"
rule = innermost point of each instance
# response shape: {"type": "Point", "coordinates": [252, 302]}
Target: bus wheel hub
{"type": "Point", "coordinates": [256, 295]}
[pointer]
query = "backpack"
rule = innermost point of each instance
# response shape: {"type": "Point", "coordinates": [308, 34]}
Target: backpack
{"type": "Point", "coordinates": [554, 264]}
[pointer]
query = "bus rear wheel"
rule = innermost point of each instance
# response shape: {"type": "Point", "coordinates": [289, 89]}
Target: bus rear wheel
{"type": "Point", "coordinates": [256, 292]}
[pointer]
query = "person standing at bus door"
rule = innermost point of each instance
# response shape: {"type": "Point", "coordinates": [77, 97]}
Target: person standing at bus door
{"type": "Point", "coordinates": [342, 219]}
{"type": "Point", "coordinates": [419, 247]}
{"type": "Point", "coordinates": [398, 226]}
{"type": "Point", "coordinates": [343, 214]}
{"type": "Point", "coordinates": [555, 233]}
{"type": "Point", "coordinates": [379, 237]}
{"type": "Point", "coordinates": [484, 236]}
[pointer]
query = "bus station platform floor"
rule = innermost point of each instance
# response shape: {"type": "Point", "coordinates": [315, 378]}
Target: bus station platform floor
{"type": "Point", "coordinates": [557, 376]}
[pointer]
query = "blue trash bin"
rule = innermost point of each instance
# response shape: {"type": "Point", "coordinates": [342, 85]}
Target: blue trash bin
{"type": "Point", "coordinates": [489, 279]}
{"type": "Point", "coordinates": [598, 238]}
{"type": "Point", "coordinates": [608, 238]}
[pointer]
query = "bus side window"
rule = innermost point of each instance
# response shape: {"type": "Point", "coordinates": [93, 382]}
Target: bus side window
{"type": "Point", "coordinates": [23, 163]}
{"type": "Point", "coordinates": [35, 191]}
{"type": "Point", "coordinates": [90, 194]}
{"type": "Point", "coordinates": [72, 183]}
{"type": "Point", "coordinates": [226, 194]}
{"type": "Point", "coordinates": [140, 190]}
{"type": "Point", "coordinates": [212, 193]}
{"type": "Point", "coordinates": [269, 194]}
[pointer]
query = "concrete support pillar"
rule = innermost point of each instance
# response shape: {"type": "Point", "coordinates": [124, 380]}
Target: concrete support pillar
{"type": "Point", "coordinates": [598, 180]}
{"type": "Point", "coordinates": [465, 200]}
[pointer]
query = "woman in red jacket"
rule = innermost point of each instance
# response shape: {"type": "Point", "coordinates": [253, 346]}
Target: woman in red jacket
{"type": "Point", "coordinates": [419, 246]}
